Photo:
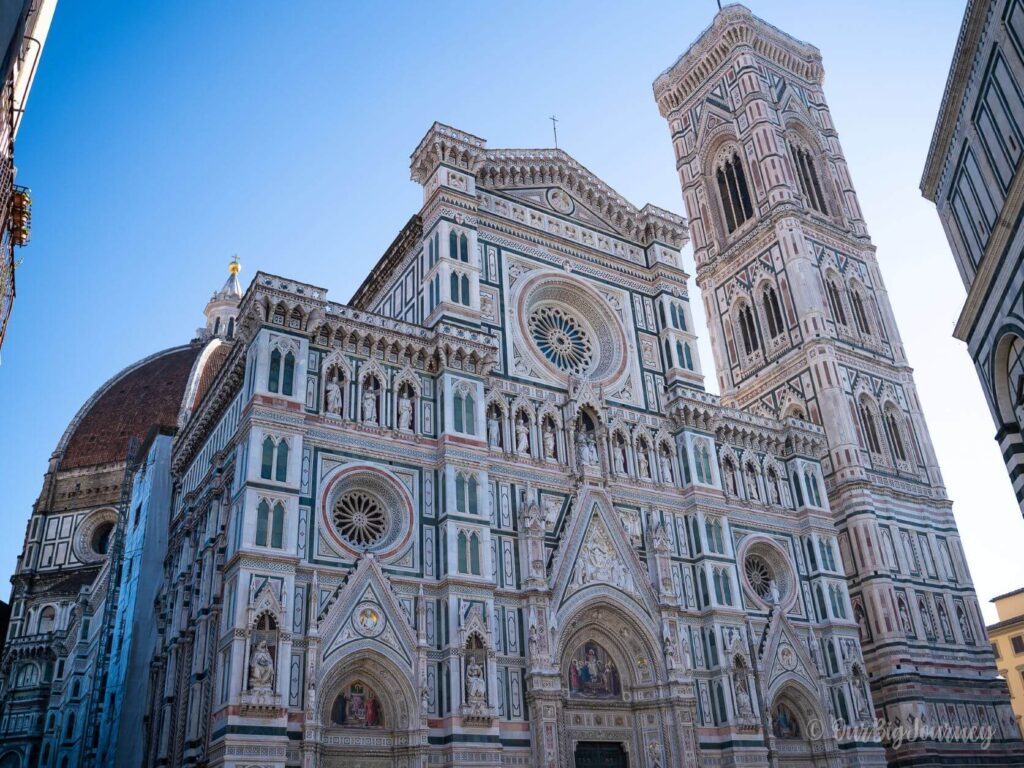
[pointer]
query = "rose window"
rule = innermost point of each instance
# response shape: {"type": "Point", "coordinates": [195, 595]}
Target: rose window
{"type": "Point", "coordinates": [759, 575]}
{"type": "Point", "coordinates": [360, 519]}
{"type": "Point", "coordinates": [562, 339]}
{"type": "Point", "coordinates": [572, 328]}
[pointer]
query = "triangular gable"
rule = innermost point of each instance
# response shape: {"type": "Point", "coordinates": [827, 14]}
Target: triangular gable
{"type": "Point", "coordinates": [714, 115]}
{"type": "Point", "coordinates": [784, 656]}
{"type": "Point", "coordinates": [597, 553]}
{"type": "Point", "coordinates": [367, 613]}
{"type": "Point", "coordinates": [569, 206]}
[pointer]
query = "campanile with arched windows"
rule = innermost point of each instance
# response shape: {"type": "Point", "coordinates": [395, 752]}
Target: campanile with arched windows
{"type": "Point", "coordinates": [800, 323]}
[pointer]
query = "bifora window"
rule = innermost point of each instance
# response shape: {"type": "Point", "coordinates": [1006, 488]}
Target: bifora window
{"type": "Point", "coordinates": [360, 519]}
{"type": "Point", "coordinates": [807, 175]}
{"type": "Point", "coordinates": [733, 192]}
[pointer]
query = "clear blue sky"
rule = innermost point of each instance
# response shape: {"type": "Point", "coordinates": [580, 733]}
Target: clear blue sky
{"type": "Point", "coordinates": [161, 138]}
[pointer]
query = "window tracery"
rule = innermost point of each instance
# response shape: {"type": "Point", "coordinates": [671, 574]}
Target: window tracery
{"type": "Point", "coordinates": [733, 193]}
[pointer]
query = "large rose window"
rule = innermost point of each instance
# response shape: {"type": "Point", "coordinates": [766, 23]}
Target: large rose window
{"type": "Point", "coordinates": [367, 510]}
{"type": "Point", "coordinates": [570, 328]}
{"type": "Point", "coordinates": [768, 573]}
{"type": "Point", "coordinates": [360, 518]}
{"type": "Point", "coordinates": [562, 338]}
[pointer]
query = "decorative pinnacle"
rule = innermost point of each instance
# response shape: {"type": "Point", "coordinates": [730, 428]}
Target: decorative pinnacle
{"type": "Point", "coordinates": [234, 267]}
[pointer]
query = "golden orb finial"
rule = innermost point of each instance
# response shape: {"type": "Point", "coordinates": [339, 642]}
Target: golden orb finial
{"type": "Point", "coordinates": [234, 267]}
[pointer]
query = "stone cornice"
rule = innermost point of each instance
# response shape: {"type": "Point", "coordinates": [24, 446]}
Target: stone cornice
{"type": "Point", "coordinates": [964, 56]}
{"type": "Point", "coordinates": [733, 27]}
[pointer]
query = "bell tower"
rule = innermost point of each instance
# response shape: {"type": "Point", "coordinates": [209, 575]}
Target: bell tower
{"type": "Point", "coordinates": [801, 327]}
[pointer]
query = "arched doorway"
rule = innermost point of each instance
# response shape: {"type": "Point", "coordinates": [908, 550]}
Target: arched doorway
{"type": "Point", "coordinates": [800, 732]}
{"type": "Point", "coordinates": [368, 713]}
{"type": "Point", "coordinates": [606, 658]}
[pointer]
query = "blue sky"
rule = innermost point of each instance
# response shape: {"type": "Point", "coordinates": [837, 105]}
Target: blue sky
{"type": "Point", "coordinates": [162, 138]}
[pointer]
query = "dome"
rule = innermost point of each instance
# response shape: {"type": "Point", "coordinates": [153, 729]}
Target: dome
{"type": "Point", "coordinates": [146, 394]}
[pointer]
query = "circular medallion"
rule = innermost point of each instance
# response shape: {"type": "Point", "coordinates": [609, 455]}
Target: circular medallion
{"type": "Point", "coordinates": [787, 657]}
{"type": "Point", "coordinates": [560, 201]}
{"type": "Point", "coordinates": [368, 620]}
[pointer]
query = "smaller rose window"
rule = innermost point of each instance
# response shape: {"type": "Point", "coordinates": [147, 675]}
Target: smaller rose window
{"type": "Point", "coordinates": [759, 575]}
{"type": "Point", "coordinates": [360, 518]}
{"type": "Point", "coordinates": [562, 339]}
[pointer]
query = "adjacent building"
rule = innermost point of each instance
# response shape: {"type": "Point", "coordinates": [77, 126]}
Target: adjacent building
{"type": "Point", "coordinates": [24, 25]}
{"type": "Point", "coordinates": [972, 177]}
{"type": "Point", "coordinates": [486, 513]}
{"type": "Point", "coordinates": [1007, 638]}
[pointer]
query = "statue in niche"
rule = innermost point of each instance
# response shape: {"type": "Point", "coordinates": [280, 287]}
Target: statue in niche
{"type": "Point", "coordinates": [493, 429]}
{"type": "Point", "coordinates": [662, 543]}
{"type": "Point", "coordinates": [774, 597]}
{"type": "Point", "coordinates": [631, 522]}
{"type": "Point", "coordinates": [405, 409]}
{"type": "Point", "coordinates": [643, 464]}
{"type": "Point", "coordinates": [476, 686]}
{"type": "Point", "coordinates": [522, 436]}
{"type": "Point", "coordinates": [619, 458]}
{"type": "Point", "coordinates": [666, 467]}
{"type": "Point", "coordinates": [965, 628]}
{"type": "Point", "coordinates": [261, 668]}
{"type": "Point", "coordinates": [549, 440]}
{"type": "Point", "coordinates": [947, 630]}
{"type": "Point", "coordinates": [729, 478]}
{"type": "Point", "coordinates": [334, 397]}
{"type": "Point", "coordinates": [370, 403]}
{"type": "Point", "coordinates": [908, 627]}
{"type": "Point", "coordinates": [744, 708]}
{"type": "Point", "coordinates": [860, 701]}
{"type": "Point", "coordinates": [751, 478]}
{"type": "Point", "coordinates": [771, 485]}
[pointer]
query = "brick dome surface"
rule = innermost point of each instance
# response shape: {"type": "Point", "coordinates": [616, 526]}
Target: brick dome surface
{"type": "Point", "coordinates": [144, 395]}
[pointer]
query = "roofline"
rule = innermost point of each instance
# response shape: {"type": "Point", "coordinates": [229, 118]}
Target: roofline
{"type": "Point", "coordinates": [952, 95]}
{"type": "Point", "coordinates": [1007, 594]}
{"type": "Point", "coordinates": [58, 452]}
{"type": "Point", "coordinates": [384, 267]}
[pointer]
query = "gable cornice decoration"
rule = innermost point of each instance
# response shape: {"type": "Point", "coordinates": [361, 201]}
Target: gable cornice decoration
{"type": "Point", "coordinates": [510, 168]}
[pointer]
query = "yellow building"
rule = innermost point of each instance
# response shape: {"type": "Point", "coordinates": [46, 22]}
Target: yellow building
{"type": "Point", "coordinates": [1007, 638]}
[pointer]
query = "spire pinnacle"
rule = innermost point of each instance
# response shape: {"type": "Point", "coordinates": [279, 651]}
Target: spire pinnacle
{"type": "Point", "coordinates": [234, 267]}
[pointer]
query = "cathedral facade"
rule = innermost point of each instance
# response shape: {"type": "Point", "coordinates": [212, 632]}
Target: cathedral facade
{"type": "Point", "coordinates": [485, 513]}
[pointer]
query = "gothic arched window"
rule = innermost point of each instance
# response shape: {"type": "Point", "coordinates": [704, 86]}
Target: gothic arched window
{"type": "Point", "coordinates": [835, 301]}
{"type": "Point", "coordinates": [733, 192]}
{"type": "Point", "coordinates": [748, 330]}
{"type": "Point", "coordinates": [892, 429]}
{"type": "Point", "coordinates": [807, 175]}
{"type": "Point", "coordinates": [267, 461]}
{"type": "Point", "coordinates": [772, 311]}
{"type": "Point", "coordinates": [281, 471]}
{"type": "Point", "coordinates": [860, 315]}
{"type": "Point", "coordinates": [463, 247]}
{"type": "Point", "coordinates": [870, 422]}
